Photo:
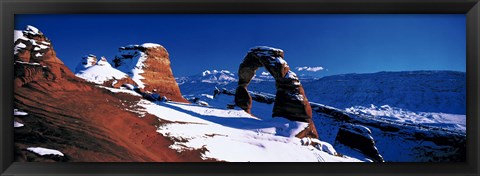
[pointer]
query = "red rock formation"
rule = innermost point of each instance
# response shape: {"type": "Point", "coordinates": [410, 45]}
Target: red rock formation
{"type": "Point", "coordinates": [36, 60]}
{"type": "Point", "coordinates": [90, 126]}
{"type": "Point", "coordinates": [86, 123]}
{"type": "Point", "coordinates": [149, 66]}
{"type": "Point", "coordinates": [290, 101]}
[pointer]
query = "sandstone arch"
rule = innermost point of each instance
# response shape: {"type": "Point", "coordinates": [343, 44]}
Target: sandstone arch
{"type": "Point", "coordinates": [290, 101]}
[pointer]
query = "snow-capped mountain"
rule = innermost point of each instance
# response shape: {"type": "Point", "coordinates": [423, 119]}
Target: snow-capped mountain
{"type": "Point", "coordinates": [204, 82]}
{"type": "Point", "coordinates": [419, 91]}
{"type": "Point", "coordinates": [220, 77]}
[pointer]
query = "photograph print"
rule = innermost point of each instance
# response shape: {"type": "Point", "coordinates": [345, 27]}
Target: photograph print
{"type": "Point", "coordinates": [240, 88]}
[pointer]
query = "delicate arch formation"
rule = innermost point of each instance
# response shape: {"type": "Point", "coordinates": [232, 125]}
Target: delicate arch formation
{"type": "Point", "coordinates": [290, 101]}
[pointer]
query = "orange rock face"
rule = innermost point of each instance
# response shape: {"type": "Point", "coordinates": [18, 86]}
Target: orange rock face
{"type": "Point", "coordinates": [36, 60]}
{"type": "Point", "coordinates": [86, 123]}
{"type": "Point", "coordinates": [151, 66]}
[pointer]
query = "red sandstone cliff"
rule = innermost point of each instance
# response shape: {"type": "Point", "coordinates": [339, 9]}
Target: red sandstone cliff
{"type": "Point", "coordinates": [73, 116]}
{"type": "Point", "coordinates": [149, 67]}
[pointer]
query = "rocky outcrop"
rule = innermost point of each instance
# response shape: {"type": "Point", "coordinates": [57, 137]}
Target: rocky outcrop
{"type": "Point", "coordinates": [290, 101]}
{"type": "Point", "coordinates": [99, 71]}
{"type": "Point", "coordinates": [149, 66]}
{"type": "Point", "coordinates": [36, 62]}
{"type": "Point", "coordinates": [86, 62]}
{"type": "Point", "coordinates": [359, 137]}
{"type": "Point", "coordinates": [84, 122]}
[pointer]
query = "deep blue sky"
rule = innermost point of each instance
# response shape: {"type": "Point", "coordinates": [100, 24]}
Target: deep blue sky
{"type": "Point", "coordinates": [338, 43]}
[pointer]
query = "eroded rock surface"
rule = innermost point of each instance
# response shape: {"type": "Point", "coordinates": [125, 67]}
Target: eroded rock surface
{"type": "Point", "coordinates": [36, 62]}
{"type": "Point", "coordinates": [84, 122]}
{"type": "Point", "coordinates": [359, 137]}
{"type": "Point", "coordinates": [99, 71]}
{"type": "Point", "coordinates": [290, 101]}
{"type": "Point", "coordinates": [149, 66]}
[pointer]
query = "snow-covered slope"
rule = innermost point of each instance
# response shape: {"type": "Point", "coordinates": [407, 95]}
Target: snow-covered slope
{"type": "Point", "coordinates": [97, 72]}
{"type": "Point", "coordinates": [427, 130]}
{"type": "Point", "coordinates": [86, 62]}
{"type": "Point", "coordinates": [450, 122]}
{"type": "Point", "coordinates": [133, 67]}
{"type": "Point", "coordinates": [233, 135]}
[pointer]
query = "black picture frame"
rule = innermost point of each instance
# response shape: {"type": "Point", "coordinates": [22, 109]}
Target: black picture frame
{"type": "Point", "coordinates": [471, 8]}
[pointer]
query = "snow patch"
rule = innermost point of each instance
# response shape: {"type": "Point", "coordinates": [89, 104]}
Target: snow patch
{"type": "Point", "coordinates": [44, 151]}
{"type": "Point", "coordinates": [266, 48]}
{"type": "Point", "coordinates": [39, 55]}
{"type": "Point", "coordinates": [17, 124]}
{"type": "Point", "coordinates": [29, 63]}
{"type": "Point", "coordinates": [43, 47]}
{"type": "Point", "coordinates": [132, 66]}
{"type": "Point", "coordinates": [31, 30]}
{"type": "Point", "coordinates": [18, 47]}
{"type": "Point", "coordinates": [103, 62]}
{"type": "Point", "coordinates": [121, 90]}
{"type": "Point", "coordinates": [321, 145]}
{"type": "Point", "coordinates": [18, 34]}
{"type": "Point", "coordinates": [99, 74]}
{"type": "Point", "coordinates": [17, 112]}
{"type": "Point", "coordinates": [291, 75]}
{"type": "Point", "coordinates": [151, 45]}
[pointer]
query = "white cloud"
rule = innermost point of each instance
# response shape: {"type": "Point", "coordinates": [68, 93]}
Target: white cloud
{"type": "Point", "coordinates": [265, 74]}
{"type": "Point", "coordinates": [310, 69]}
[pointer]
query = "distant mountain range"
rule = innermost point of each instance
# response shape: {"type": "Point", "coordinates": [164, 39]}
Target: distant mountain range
{"type": "Point", "coordinates": [425, 91]}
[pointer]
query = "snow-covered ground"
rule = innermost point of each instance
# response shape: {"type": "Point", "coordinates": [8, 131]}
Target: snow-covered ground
{"type": "Point", "coordinates": [399, 140]}
{"type": "Point", "coordinates": [451, 122]}
{"type": "Point", "coordinates": [416, 116]}
{"type": "Point", "coordinates": [233, 135]}
{"type": "Point", "coordinates": [424, 129]}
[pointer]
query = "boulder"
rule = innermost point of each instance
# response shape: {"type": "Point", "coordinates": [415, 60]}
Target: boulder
{"type": "Point", "coordinates": [359, 137]}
